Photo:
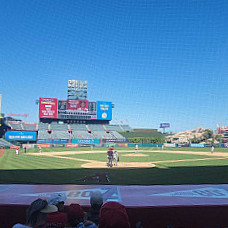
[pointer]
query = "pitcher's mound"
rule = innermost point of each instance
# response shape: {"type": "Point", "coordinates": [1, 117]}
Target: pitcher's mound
{"type": "Point", "coordinates": [119, 165]}
{"type": "Point", "coordinates": [135, 155]}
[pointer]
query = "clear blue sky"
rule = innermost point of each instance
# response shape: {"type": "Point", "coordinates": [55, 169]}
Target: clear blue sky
{"type": "Point", "coordinates": [157, 61]}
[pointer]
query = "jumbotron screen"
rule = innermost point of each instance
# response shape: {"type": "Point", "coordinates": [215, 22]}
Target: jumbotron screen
{"type": "Point", "coordinates": [74, 109]}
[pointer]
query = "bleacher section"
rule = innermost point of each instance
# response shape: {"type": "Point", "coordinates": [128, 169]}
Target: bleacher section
{"type": "Point", "coordinates": [43, 126]}
{"type": "Point", "coordinates": [15, 126]}
{"type": "Point", "coordinates": [4, 143]}
{"type": "Point", "coordinates": [127, 128]}
{"type": "Point", "coordinates": [80, 131]}
{"type": "Point", "coordinates": [29, 127]}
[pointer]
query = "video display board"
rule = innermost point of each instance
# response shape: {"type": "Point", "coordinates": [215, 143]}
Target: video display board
{"type": "Point", "coordinates": [48, 107]}
{"type": "Point", "coordinates": [80, 105]}
{"type": "Point", "coordinates": [75, 109]}
{"type": "Point", "coordinates": [104, 110]}
{"type": "Point", "coordinates": [20, 135]}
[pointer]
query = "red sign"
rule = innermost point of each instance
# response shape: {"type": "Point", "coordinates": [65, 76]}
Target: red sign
{"type": "Point", "coordinates": [43, 145]}
{"type": "Point", "coordinates": [71, 145]}
{"type": "Point", "coordinates": [81, 105]}
{"type": "Point", "coordinates": [48, 108]}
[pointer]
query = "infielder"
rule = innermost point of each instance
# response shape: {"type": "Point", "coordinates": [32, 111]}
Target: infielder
{"type": "Point", "coordinates": [110, 157]}
{"type": "Point", "coordinates": [136, 148]}
{"type": "Point", "coordinates": [212, 149]}
{"type": "Point", "coordinates": [115, 158]}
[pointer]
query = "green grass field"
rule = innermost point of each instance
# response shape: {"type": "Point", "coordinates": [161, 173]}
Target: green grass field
{"type": "Point", "coordinates": [172, 166]}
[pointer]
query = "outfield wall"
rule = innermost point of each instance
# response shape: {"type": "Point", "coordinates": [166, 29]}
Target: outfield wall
{"type": "Point", "coordinates": [98, 143]}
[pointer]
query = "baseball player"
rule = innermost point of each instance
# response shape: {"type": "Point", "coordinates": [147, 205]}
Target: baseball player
{"type": "Point", "coordinates": [115, 158]}
{"type": "Point", "coordinates": [136, 148]}
{"type": "Point", "coordinates": [212, 149]}
{"type": "Point", "coordinates": [110, 157]}
{"type": "Point", "coordinates": [17, 150]}
{"type": "Point", "coordinates": [40, 149]}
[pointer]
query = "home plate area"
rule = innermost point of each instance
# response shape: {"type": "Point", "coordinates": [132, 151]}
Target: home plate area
{"type": "Point", "coordinates": [120, 165]}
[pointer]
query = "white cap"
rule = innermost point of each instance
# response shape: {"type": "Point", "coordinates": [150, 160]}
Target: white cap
{"type": "Point", "coordinates": [96, 198]}
{"type": "Point", "coordinates": [57, 198]}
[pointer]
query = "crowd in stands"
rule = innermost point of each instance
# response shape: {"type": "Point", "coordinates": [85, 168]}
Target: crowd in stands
{"type": "Point", "coordinates": [54, 214]}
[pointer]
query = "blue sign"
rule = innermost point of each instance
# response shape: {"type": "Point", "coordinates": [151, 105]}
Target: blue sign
{"type": "Point", "coordinates": [39, 141]}
{"type": "Point", "coordinates": [85, 141]}
{"type": "Point", "coordinates": [198, 145]}
{"type": "Point", "coordinates": [20, 135]}
{"type": "Point", "coordinates": [104, 110]}
{"type": "Point", "coordinates": [164, 125]}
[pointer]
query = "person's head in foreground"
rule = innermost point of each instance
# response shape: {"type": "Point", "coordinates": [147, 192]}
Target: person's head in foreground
{"type": "Point", "coordinates": [58, 200]}
{"type": "Point", "coordinates": [113, 215]}
{"type": "Point", "coordinates": [75, 215]}
{"type": "Point", "coordinates": [36, 214]}
{"type": "Point", "coordinates": [96, 200]}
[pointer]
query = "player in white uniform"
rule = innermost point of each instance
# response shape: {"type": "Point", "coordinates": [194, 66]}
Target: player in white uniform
{"type": "Point", "coordinates": [212, 149]}
{"type": "Point", "coordinates": [115, 158]}
{"type": "Point", "coordinates": [136, 148]}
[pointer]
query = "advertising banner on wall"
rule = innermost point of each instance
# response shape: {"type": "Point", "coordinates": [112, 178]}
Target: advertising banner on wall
{"type": "Point", "coordinates": [20, 135]}
{"type": "Point", "coordinates": [104, 110]}
{"type": "Point", "coordinates": [85, 141]}
{"type": "Point", "coordinates": [113, 140]}
{"type": "Point", "coordinates": [197, 145]}
{"type": "Point", "coordinates": [71, 145]}
{"type": "Point", "coordinates": [80, 105]}
{"type": "Point", "coordinates": [44, 145]}
{"type": "Point", "coordinates": [170, 144]}
{"type": "Point", "coordinates": [48, 107]}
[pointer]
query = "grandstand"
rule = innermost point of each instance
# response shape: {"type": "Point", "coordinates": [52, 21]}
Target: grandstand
{"type": "Point", "coordinates": [55, 130]}
{"type": "Point", "coordinates": [4, 143]}
{"type": "Point", "coordinates": [69, 120]}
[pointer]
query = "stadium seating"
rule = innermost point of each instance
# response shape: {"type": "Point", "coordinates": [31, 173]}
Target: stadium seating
{"type": "Point", "coordinates": [15, 126]}
{"type": "Point", "coordinates": [127, 128]}
{"type": "Point", "coordinates": [30, 127]}
{"type": "Point", "coordinates": [78, 127]}
{"type": "Point", "coordinates": [59, 127]}
{"type": "Point", "coordinates": [80, 131]}
{"type": "Point", "coordinates": [42, 126]}
{"type": "Point", "coordinates": [4, 143]}
{"type": "Point", "coordinates": [45, 135]}
{"type": "Point", "coordinates": [60, 134]}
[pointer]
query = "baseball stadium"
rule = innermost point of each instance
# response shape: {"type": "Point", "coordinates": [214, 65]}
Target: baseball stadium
{"type": "Point", "coordinates": [113, 114]}
{"type": "Point", "coordinates": [74, 150]}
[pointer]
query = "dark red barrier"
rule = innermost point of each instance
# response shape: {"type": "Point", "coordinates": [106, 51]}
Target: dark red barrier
{"type": "Point", "coordinates": [190, 206]}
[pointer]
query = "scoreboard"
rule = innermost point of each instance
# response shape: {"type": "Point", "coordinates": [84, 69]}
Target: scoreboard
{"type": "Point", "coordinates": [74, 109]}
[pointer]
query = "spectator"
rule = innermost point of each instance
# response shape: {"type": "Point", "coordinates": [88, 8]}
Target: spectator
{"type": "Point", "coordinates": [59, 218]}
{"type": "Point", "coordinates": [96, 202]}
{"type": "Point", "coordinates": [36, 214]}
{"type": "Point", "coordinates": [76, 218]}
{"type": "Point", "coordinates": [113, 215]}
